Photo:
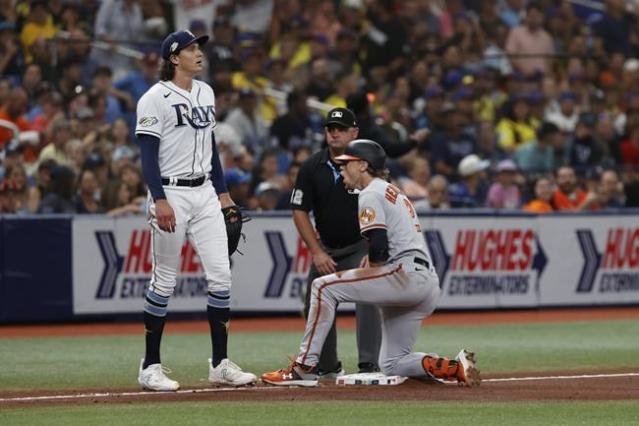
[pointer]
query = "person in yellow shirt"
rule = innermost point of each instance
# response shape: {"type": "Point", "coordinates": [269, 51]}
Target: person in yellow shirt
{"type": "Point", "coordinates": [516, 128]}
{"type": "Point", "coordinates": [250, 77]}
{"type": "Point", "coordinates": [39, 26]}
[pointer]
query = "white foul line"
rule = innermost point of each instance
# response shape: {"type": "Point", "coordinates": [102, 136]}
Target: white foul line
{"type": "Point", "coordinates": [274, 388]}
{"type": "Point", "coordinates": [583, 376]}
{"type": "Point", "coordinates": [121, 394]}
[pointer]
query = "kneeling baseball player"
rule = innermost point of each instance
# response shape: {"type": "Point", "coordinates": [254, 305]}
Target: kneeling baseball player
{"type": "Point", "coordinates": [397, 275]}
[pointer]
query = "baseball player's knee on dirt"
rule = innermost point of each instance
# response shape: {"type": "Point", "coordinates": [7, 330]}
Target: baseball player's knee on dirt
{"type": "Point", "coordinates": [442, 368]}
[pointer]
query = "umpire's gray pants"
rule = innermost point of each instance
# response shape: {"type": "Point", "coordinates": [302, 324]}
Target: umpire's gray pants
{"type": "Point", "coordinates": [368, 318]}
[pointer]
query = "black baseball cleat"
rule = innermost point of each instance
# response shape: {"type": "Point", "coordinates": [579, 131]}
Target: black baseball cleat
{"type": "Point", "coordinates": [367, 367]}
{"type": "Point", "coordinates": [338, 371]}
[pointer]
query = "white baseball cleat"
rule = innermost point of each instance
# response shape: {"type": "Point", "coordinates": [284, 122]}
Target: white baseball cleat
{"type": "Point", "coordinates": [229, 373]}
{"type": "Point", "coordinates": [468, 374]}
{"type": "Point", "coordinates": [154, 378]}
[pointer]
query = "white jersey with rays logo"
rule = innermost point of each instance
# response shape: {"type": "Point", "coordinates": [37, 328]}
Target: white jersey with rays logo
{"type": "Point", "coordinates": [183, 121]}
{"type": "Point", "coordinates": [383, 205]}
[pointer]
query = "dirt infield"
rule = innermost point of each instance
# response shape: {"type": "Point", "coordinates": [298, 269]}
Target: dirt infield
{"type": "Point", "coordinates": [534, 386]}
{"type": "Point", "coordinates": [572, 385]}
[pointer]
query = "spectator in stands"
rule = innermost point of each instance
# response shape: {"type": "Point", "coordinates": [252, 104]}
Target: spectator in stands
{"type": "Point", "coordinates": [511, 12]}
{"type": "Point", "coordinates": [16, 177]}
{"type": "Point", "coordinates": [7, 200]}
{"type": "Point", "coordinates": [268, 194]}
{"type": "Point", "coordinates": [117, 21]}
{"type": "Point", "coordinates": [614, 27]}
{"type": "Point", "coordinates": [59, 199]}
{"type": "Point", "coordinates": [59, 135]}
{"type": "Point", "coordinates": [516, 128]}
{"type": "Point", "coordinates": [437, 196]}
{"type": "Point", "coordinates": [470, 191]}
{"type": "Point", "coordinates": [117, 101]}
{"type": "Point", "coordinates": [137, 81]}
{"type": "Point", "coordinates": [584, 152]}
{"type": "Point", "coordinates": [542, 202]}
{"type": "Point", "coordinates": [568, 196]}
{"type": "Point", "coordinates": [284, 202]}
{"type": "Point", "coordinates": [450, 145]}
{"type": "Point", "coordinates": [415, 183]}
{"type": "Point", "coordinates": [247, 121]}
{"type": "Point", "coordinates": [539, 155]}
{"type": "Point", "coordinates": [565, 114]}
{"type": "Point", "coordinates": [267, 170]}
{"type": "Point", "coordinates": [610, 191]}
{"type": "Point", "coordinates": [504, 192]}
{"type": "Point", "coordinates": [51, 108]}
{"type": "Point", "coordinates": [117, 200]}
{"type": "Point", "coordinates": [11, 57]}
{"type": "Point", "coordinates": [292, 129]}
{"type": "Point", "coordinates": [630, 148]}
{"type": "Point", "coordinates": [38, 29]}
{"type": "Point", "coordinates": [13, 112]}
{"type": "Point", "coordinates": [87, 198]}
{"type": "Point", "coordinates": [238, 184]}
{"type": "Point", "coordinates": [531, 39]}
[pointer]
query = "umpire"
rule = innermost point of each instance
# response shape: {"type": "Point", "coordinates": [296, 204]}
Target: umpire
{"type": "Point", "coordinates": [319, 188]}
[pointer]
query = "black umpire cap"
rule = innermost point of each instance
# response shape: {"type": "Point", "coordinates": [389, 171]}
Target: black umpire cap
{"type": "Point", "coordinates": [366, 150]}
{"type": "Point", "coordinates": [341, 116]}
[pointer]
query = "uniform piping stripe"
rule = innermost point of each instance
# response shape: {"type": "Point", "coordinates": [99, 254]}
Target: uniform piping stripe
{"type": "Point", "coordinates": [148, 132]}
{"type": "Point", "coordinates": [155, 310]}
{"type": "Point", "coordinates": [151, 295]}
{"type": "Point", "coordinates": [155, 261]}
{"type": "Point", "coordinates": [218, 303]}
{"type": "Point", "coordinates": [220, 293]}
{"type": "Point", "coordinates": [319, 299]}
{"type": "Point", "coordinates": [178, 93]}
{"type": "Point", "coordinates": [218, 297]}
{"type": "Point", "coordinates": [197, 97]}
{"type": "Point", "coordinates": [376, 226]}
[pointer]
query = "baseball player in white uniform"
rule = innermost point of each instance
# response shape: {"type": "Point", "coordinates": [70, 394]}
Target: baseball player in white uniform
{"type": "Point", "coordinates": [397, 275]}
{"type": "Point", "coordinates": [181, 167]}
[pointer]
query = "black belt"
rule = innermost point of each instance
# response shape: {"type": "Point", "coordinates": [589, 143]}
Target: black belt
{"type": "Point", "coordinates": [184, 182]}
{"type": "Point", "coordinates": [422, 262]}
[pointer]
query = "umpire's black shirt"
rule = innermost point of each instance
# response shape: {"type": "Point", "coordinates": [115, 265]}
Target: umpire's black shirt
{"type": "Point", "coordinates": [319, 188]}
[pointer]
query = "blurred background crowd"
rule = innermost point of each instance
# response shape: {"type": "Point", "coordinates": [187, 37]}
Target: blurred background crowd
{"type": "Point", "coordinates": [505, 104]}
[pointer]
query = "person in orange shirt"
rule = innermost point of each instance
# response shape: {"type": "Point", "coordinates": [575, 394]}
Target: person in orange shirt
{"type": "Point", "coordinates": [568, 196]}
{"type": "Point", "coordinates": [12, 112]}
{"type": "Point", "coordinates": [543, 197]}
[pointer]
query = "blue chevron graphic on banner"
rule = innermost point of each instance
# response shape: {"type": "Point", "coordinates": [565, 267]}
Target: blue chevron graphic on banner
{"type": "Point", "coordinates": [592, 260]}
{"type": "Point", "coordinates": [281, 264]}
{"type": "Point", "coordinates": [440, 256]}
{"type": "Point", "coordinates": [112, 264]}
{"type": "Point", "coordinates": [539, 261]}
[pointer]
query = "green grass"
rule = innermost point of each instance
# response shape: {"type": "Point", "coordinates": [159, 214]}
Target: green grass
{"type": "Point", "coordinates": [106, 362]}
{"type": "Point", "coordinates": [333, 413]}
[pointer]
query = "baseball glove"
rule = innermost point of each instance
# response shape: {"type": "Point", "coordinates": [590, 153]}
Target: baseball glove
{"type": "Point", "coordinates": [233, 220]}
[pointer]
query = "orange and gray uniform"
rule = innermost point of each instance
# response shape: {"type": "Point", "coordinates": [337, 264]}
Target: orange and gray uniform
{"type": "Point", "coordinates": [406, 288]}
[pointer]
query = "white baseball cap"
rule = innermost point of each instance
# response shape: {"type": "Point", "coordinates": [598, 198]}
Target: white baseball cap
{"type": "Point", "coordinates": [471, 164]}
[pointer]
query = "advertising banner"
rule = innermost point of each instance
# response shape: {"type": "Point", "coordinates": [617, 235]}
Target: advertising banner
{"type": "Point", "coordinates": [483, 261]}
{"type": "Point", "coordinates": [486, 261]}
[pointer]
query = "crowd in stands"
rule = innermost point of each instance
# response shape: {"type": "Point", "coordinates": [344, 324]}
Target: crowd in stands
{"type": "Point", "coordinates": [505, 104]}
